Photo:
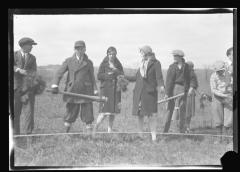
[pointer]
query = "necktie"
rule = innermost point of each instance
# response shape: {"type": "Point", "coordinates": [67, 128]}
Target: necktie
{"type": "Point", "coordinates": [23, 60]}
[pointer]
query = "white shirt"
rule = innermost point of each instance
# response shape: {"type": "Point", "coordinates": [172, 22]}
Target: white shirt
{"type": "Point", "coordinates": [24, 54]}
{"type": "Point", "coordinates": [143, 67]}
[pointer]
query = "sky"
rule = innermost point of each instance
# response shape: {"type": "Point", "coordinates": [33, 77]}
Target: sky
{"type": "Point", "coordinates": [204, 38]}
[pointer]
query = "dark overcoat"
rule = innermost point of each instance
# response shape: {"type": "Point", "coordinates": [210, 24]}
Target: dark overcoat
{"type": "Point", "coordinates": [29, 64]}
{"type": "Point", "coordinates": [183, 76]}
{"type": "Point", "coordinates": [80, 78]}
{"type": "Point", "coordinates": [108, 87]}
{"type": "Point", "coordinates": [145, 90]}
{"type": "Point", "coordinates": [177, 76]}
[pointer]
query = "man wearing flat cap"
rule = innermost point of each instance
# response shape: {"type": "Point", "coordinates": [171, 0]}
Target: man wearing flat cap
{"type": "Point", "coordinates": [80, 80]}
{"type": "Point", "coordinates": [220, 83]}
{"type": "Point", "coordinates": [178, 80]}
{"type": "Point", "coordinates": [24, 66]}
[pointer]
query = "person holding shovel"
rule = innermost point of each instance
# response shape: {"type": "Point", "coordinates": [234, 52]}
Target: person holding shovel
{"type": "Point", "coordinates": [80, 80]}
{"type": "Point", "coordinates": [177, 81]}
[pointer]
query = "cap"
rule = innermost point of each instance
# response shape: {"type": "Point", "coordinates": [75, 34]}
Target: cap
{"type": "Point", "coordinates": [218, 65]}
{"type": "Point", "coordinates": [79, 44]}
{"type": "Point", "coordinates": [229, 50]}
{"type": "Point", "coordinates": [25, 41]}
{"type": "Point", "coordinates": [178, 53]}
{"type": "Point", "coordinates": [111, 49]}
{"type": "Point", "coordinates": [146, 49]}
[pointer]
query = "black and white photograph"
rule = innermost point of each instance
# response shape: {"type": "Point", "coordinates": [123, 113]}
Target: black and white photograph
{"type": "Point", "coordinates": [122, 91]}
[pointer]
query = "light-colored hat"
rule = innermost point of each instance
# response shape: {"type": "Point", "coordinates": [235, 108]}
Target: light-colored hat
{"type": "Point", "coordinates": [146, 49]}
{"type": "Point", "coordinates": [178, 53]}
{"type": "Point", "coordinates": [218, 65]}
{"type": "Point", "coordinates": [79, 44]}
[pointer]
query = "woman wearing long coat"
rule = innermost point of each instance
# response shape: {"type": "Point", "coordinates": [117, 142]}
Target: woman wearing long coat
{"type": "Point", "coordinates": [145, 94]}
{"type": "Point", "coordinates": [108, 73]}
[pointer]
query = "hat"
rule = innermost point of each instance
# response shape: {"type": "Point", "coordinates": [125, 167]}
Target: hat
{"type": "Point", "coordinates": [79, 44]}
{"type": "Point", "coordinates": [190, 63]}
{"type": "Point", "coordinates": [25, 41]}
{"type": "Point", "coordinates": [218, 65]}
{"type": "Point", "coordinates": [229, 50]}
{"type": "Point", "coordinates": [111, 49]}
{"type": "Point", "coordinates": [178, 53]}
{"type": "Point", "coordinates": [146, 49]}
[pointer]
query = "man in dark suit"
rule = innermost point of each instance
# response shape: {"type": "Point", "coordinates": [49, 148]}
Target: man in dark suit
{"type": "Point", "coordinates": [81, 80]}
{"type": "Point", "coordinates": [24, 66]}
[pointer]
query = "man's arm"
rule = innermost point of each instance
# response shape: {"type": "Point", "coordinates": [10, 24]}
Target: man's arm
{"type": "Point", "coordinates": [193, 82]}
{"type": "Point", "coordinates": [159, 77]}
{"type": "Point", "coordinates": [59, 74]}
{"type": "Point", "coordinates": [93, 78]}
{"type": "Point", "coordinates": [214, 89]}
{"type": "Point", "coordinates": [170, 78]}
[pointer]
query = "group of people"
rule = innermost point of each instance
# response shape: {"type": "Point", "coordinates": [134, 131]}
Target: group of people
{"type": "Point", "coordinates": [149, 82]}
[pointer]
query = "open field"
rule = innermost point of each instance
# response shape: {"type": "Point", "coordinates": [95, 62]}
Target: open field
{"type": "Point", "coordinates": [116, 149]}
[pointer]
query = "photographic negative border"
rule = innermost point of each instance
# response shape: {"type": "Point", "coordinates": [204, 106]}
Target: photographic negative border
{"type": "Point", "coordinates": [12, 12]}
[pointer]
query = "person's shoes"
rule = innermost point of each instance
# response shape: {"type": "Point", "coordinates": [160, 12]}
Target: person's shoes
{"type": "Point", "coordinates": [110, 130]}
{"type": "Point", "coordinates": [93, 134]}
{"type": "Point", "coordinates": [154, 136]}
{"type": "Point", "coordinates": [89, 128]}
{"type": "Point", "coordinates": [68, 126]}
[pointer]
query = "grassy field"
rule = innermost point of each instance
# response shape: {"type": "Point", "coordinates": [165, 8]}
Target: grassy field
{"type": "Point", "coordinates": [116, 149]}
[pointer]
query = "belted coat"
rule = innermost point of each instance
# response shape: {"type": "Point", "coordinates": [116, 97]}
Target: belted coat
{"type": "Point", "coordinates": [145, 91]}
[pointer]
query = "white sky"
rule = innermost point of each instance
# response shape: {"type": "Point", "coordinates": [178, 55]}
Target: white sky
{"type": "Point", "coordinates": [203, 37]}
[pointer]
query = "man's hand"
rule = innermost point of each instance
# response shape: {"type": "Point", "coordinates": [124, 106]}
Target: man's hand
{"type": "Point", "coordinates": [54, 89]}
{"type": "Point", "coordinates": [162, 90]}
{"type": "Point", "coordinates": [166, 96]}
{"type": "Point", "coordinates": [190, 91]}
{"type": "Point", "coordinates": [96, 92]}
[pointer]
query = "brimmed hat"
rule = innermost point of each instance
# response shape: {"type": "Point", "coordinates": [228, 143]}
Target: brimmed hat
{"type": "Point", "coordinates": [218, 66]}
{"type": "Point", "coordinates": [178, 53]}
{"type": "Point", "coordinates": [79, 44]}
{"type": "Point", "coordinates": [146, 50]}
{"type": "Point", "coordinates": [25, 41]}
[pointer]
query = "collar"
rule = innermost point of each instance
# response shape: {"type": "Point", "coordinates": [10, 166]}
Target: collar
{"type": "Point", "coordinates": [77, 57]}
{"type": "Point", "coordinates": [22, 53]}
{"type": "Point", "coordinates": [147, 60]}
{"type": "Point", "coordinates": [229, 62]}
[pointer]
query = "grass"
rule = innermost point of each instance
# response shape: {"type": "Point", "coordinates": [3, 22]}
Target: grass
{"type": "Point", "coordinates": [115, 149]}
